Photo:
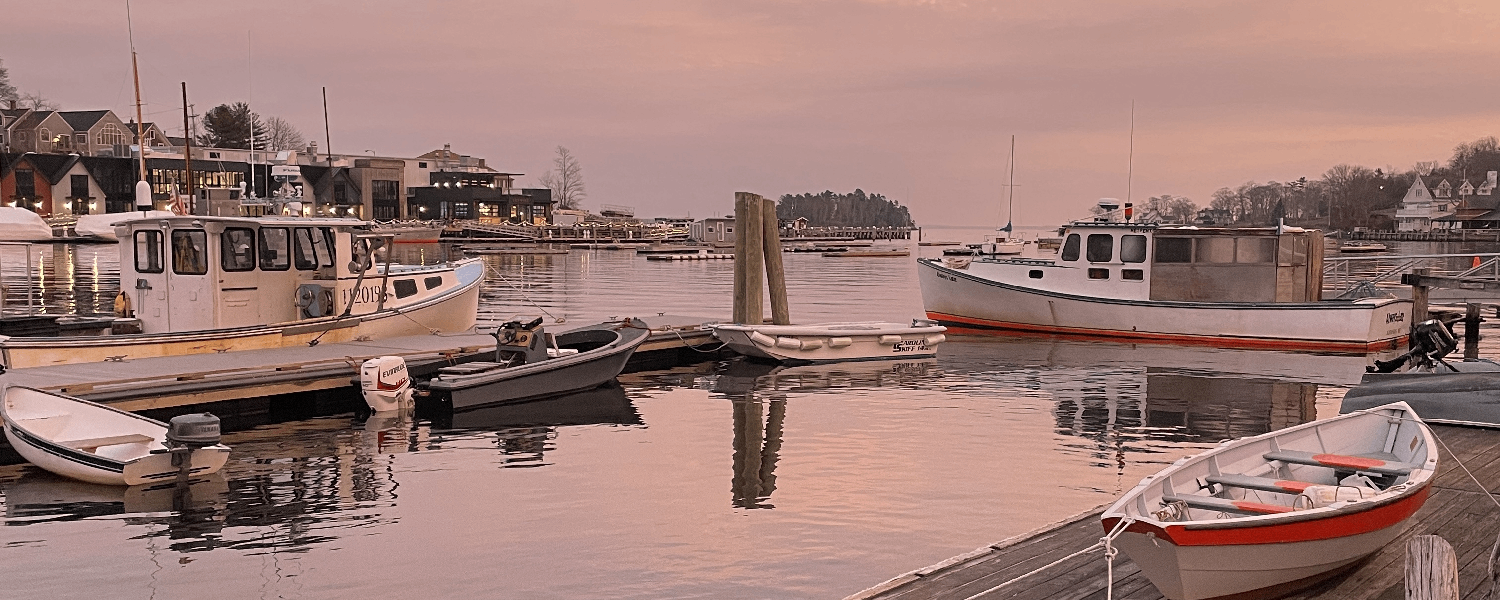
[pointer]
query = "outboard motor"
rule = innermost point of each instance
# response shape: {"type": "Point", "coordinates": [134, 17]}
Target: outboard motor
{"type": "Point", "coordinates": [384, 383]}
{"type": "Point", "coordinates": [1431, 341]}
{"type": "Point", "coordinates": [194, 431]}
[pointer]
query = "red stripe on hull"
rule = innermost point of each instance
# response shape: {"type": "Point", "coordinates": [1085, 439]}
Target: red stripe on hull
{"type": "Point", "coordinates": [1176, 338]}
{"type": "Point", "coordinates": [1374, 519]}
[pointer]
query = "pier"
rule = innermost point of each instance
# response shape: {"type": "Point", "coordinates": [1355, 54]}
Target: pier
{"type": "Point", "coordinates": [178, 381]}
{"type": "Point", "coordinates": [1457, 510]}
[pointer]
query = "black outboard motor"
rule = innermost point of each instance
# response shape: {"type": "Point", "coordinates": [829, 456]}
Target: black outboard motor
{"type": "Point", "coordinates": [198, 430]}
{"type": "Point", "coordinates": [1431, 341]}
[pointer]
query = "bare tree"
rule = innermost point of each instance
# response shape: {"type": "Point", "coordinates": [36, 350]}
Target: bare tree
{"type": "Point", "coordinates": [35, 101]}
{"type": "Point", "coordinates": [7, 91]}
{"type": "Point", "coordinates": [565, 180]}
{"type": "Point", "coordinates": [282, 135]}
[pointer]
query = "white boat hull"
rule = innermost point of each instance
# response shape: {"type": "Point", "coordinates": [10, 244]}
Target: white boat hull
{"type": "Point", "coordinates": [832, 343]}
{"type": "Point", "coordinates": [959, 298]}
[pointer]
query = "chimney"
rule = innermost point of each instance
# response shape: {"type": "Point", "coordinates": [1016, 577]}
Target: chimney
{"type": "Point", "coordinates": [12, 104]}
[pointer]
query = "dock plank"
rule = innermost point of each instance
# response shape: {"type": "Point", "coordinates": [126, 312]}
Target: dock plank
{"type": "Point", "coordinates": [1456, 510]}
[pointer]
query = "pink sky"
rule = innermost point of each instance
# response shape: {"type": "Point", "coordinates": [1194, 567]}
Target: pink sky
{"type": "Point", "coordinates": [671, 107]}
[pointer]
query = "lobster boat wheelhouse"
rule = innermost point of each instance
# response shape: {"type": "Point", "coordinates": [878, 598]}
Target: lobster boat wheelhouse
{"type": "Point", "coordinates": [1251, 287]}
{"type": "Point", "coordinates": [196, 284]}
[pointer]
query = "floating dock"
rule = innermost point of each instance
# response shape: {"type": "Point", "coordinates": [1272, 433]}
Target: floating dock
{"type": "Point", "coordinates": [176, 381]}
{"type": "Point", "coordinates": [1457, 510]}
{"type": "Point", "coordinates": [675, 257]}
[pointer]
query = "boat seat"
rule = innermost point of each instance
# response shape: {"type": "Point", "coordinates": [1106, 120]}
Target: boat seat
{"type": "Point", "coordinates": [114, 440]}
{"type": "Point", "coordinates": [469, 368]}
{"type": "Point", "coordinates": [1265, 484]}
{"type": "Point", "coordinates": [1342, 461]}
{"type": "Point", "coordinates": [1225, 505]}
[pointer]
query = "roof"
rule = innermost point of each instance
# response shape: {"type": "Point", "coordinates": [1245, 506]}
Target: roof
{"type": "Point", "coordinates": [34, 119]}
{"type": "Point", "coordinates": [51, 166]}
{"type": "Point", "coordinates": [268, 220]}
{"type": "Point", "coordinates": [83, 120]}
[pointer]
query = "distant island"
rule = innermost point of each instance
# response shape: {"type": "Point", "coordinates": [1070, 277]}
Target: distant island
{"type": "Point", "coordinates": [855, 209]}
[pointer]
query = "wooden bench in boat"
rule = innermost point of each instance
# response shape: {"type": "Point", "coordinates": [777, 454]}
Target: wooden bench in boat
{"type": "Point", "coordinates": [114, 440]}
{"type": "Point", "coordinates": [1341, 461]}
{"type": "Point", "coordinates": [1226, 505]}
{"type": "Point", "coordinates": [1265, 484]}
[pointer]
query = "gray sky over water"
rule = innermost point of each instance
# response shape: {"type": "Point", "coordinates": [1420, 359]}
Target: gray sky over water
{"type": "Point", "coordinates": [673, 106]}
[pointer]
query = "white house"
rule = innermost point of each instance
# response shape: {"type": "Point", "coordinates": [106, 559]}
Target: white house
{"type": "Point", "coordinates": [1422, 204]}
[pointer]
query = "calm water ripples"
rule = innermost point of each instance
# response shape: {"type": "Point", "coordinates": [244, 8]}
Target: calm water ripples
{"type": "Point", "coordinates": [723, 479]}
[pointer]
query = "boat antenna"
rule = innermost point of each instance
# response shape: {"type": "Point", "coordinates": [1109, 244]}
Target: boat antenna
{"type": "Point", "coordinates": [140, 138]}
{"type": "Point", "coordinates": [250, 101]}
{"type": "Point", "coordinates": [327, 137]}
{"type": "Point", "coordinates": [1130, 162]}
{"type": "Point", "coordinates": [187, 153]}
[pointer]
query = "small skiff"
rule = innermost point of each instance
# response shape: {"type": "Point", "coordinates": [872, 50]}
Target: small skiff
{"type": "Point", "coordinates": [1362, 247]}
{"type": "Point", "coordinates": [1279, 511]}
{"type": "Point", "coordinates": [530, 363]}
{"type": "Point", "coordinates": [833, 342]}
{"type": "Point", "coordinates": [95, 443]}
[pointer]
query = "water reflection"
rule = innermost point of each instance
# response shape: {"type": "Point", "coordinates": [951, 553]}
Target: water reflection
{"type": "Point", "coordinates": [525, 432]}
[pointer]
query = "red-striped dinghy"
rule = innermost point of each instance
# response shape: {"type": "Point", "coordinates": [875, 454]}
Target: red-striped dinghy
{"type": "Point", "coordinates": [1279, 511]}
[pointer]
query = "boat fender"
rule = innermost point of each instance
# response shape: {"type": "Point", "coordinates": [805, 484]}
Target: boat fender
{"type": "Point", "coordinates": [812, 344]}
{"type": "Point", "coordinates": [789, 343]}
{"type": "Point", "coordinates": [122, 306]}
{"type": "Point", "coordinates": [839, 342]}
{"type": "Point", "coordinates": [890, 340]}
{"type": "Point", "coordinates": [933, 340]}
{"type": "Point", "coordinates": [762, 339]}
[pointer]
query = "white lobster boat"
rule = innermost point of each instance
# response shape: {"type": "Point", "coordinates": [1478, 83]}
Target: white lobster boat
{"type": "Point", "coordinates": [1279, 511]}
{"type": "Point", "coordinates": [1253, 288]}
{"type": "Point", "coordinates": [833, 342]}
{"type": "Point", "coordinates": [196, 285]}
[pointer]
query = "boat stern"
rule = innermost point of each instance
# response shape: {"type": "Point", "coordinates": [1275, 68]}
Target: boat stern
{"type": "Point", "coordinates": [1390, 322]}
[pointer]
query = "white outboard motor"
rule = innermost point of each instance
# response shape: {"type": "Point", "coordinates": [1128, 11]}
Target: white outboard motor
{"type": "Point", "coordinates": [384, 383]}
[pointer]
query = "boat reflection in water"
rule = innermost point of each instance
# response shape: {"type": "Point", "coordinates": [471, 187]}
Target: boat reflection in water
{"type": "Point", "coordinates": [524, 432]}
{"type": "Point", "coordinates": [758, 392]}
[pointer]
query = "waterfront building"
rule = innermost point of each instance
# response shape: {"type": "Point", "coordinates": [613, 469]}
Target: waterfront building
{"type": "Point", "coordinates": [713, 229]}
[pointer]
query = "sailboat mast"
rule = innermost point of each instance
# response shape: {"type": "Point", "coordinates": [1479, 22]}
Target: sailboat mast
{"type": "Point", "coordinates": [1011, 188]}
{"type": "Point", "coordinates": [187, 153]}
{"type": "Point", "coordinates": [142, 187]}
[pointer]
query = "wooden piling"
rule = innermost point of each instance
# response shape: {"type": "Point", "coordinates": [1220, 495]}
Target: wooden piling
{"type": "Point", "coordinates": [1431, 569]}
{"type": "Point", "coordinates": [1471, 331]}
{"type": "Point", "coordinates": [1419, 298]}
{"type": "Point", "coordinates": [775, 273]}
{"type": "Point", "coordinates": [749, 263]}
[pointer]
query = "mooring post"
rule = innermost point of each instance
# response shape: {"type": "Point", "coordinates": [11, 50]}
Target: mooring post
{"type": "Point", "coordinates": [1471, 331]}
{"type": "Point", "coordinates": [749, 266]}
{"type": "Point", "coordinates": [1419, 296]}
{"type": "Point", "coordinates": [775, 274]}
{"type": "Point", "coordinates": [1431, 569]}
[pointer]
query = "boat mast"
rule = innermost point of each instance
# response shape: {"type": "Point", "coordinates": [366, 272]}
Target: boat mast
{"type": "Point", "coordinates": [187, 155]}
{"type": "Point", "coordinates": [1010, 201]}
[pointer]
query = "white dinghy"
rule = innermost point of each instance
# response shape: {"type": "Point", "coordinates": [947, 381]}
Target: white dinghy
{"type": "Point", "coordinates": [98, 444]}
{"type": "Point", "coordinates": [834, 342]}
{"type": "Point", "coordinates": [1279, 511]}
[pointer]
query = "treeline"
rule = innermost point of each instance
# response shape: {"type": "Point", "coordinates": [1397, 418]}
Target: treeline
{"type": "Point", "coordinates": [1347, 195]}
{"type": "Point", "coordinates": [855, 209]}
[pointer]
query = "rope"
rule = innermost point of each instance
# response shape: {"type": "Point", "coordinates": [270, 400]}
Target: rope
{"type": "Point", "coordinates": [678, 333]}
{"type": "Point", "coordinates": [513, 286]}
{"type": "Point", "coordinates": [1109, 558]}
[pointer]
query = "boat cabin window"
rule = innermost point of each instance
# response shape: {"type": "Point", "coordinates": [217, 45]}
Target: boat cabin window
{"type": "Point", "coordinates": [1071, 247]}
{"type": "Point", "coordinates": [1132, 274]}
{"type": "Point", "coordinates": [1034, 274]}
{"type": "Point", "coordinates": [275, 255]}
{"type": "Point", "coordinates": [1101, 247]}
{"type": "Point", "coordinates": [148, 252]}
{"type": "Point", "coordinates": [1214, 250]}
{"type": "Point", "coordinates": [236, 246]}
{"type": "Point", "coordinates": [189, 251]}
{"type": "Point", "coordinates": [1098, 273]}
{"type": "Point", "coordinates": [1255, 250]}
{"type": "Point", "coordinates": [359, 253]}
{"type": "Point", "coordinates": [1133, 248]}
{"type": "Point", "coordinates": [432, 282]}
{"type": "Point", "coordinates": [405, 288]}
{"type": "Point", "coordinates": [1174, 250]}
{"type": "Point", "coordinates": [311, 250]}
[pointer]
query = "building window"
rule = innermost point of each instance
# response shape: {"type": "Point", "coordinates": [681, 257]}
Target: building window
{"type": "Point", "coordinates": [25, 184]}
{"type": "Point", "coordinates": [110, 135]}
{"type": "Point", "coordinates": [340, 193]}
{"type": "Point", "coordinates": [421, 165]}
{"type": "Point", "coordinates": [213, 155]}
{"type": "Point", "coordinates": [385, 196]}
{"type": "Point", "coordinates": [80, 187]}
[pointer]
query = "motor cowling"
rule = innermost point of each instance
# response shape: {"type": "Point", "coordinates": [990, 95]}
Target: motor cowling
{"type": "Point", "coordinates": [197, 430]}
{"type": "Point", "coordinates": [1434, 339]}
{"type": "Point", "coordinates": [384, 383]}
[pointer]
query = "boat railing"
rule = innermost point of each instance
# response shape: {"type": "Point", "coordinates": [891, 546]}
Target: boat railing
{"type": "Point", "coordinates": [1347, 277]}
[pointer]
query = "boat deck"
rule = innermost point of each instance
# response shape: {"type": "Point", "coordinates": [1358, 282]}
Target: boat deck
{"type": "Point", "coordinates": [1457, 510]}
{"type": "Point", "coordinates": [152, 383]}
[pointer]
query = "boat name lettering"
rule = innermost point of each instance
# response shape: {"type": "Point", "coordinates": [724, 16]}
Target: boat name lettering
{"type": "Point", "coordinates": [909, 346]}
{"type": "Point", "coordinates": [365, 294]}
{"type": "Point", "coordinates": [1395, 318]}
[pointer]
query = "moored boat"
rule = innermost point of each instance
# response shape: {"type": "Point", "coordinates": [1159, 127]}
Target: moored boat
{"type": "Point", "coordinates": [1254, 288]}
{"type": "Point", "coordinates": [833, 342]}
{"type": "Point", "coordinates": [1279, 511]}
{"type": "Point", "coordinates": [1361, 247]}
{"type": "Point", "coordinates": [530, 364]}
{"type": "Point", "coordinates": [196, 284]}
{"type": "Point", "coordinates": [91, 442]}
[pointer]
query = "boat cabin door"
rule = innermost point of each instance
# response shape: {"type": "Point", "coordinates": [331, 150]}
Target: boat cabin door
{"type": "Point", "coordinates": [147, 290]}
{"type": "Point", "coordinates": [189, 289]}
{"type": "Point", "coordinates": [235, 279]}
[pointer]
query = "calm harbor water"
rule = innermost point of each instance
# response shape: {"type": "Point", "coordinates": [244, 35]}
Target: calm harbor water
{"type": "Point", "coordinates": [723, 479]}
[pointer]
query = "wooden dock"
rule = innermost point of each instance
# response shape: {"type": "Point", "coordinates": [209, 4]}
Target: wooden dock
{"type": "Point", "coordinates": [1457, 510]}
{"type": "Point", "coordinates": [175, 381]}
